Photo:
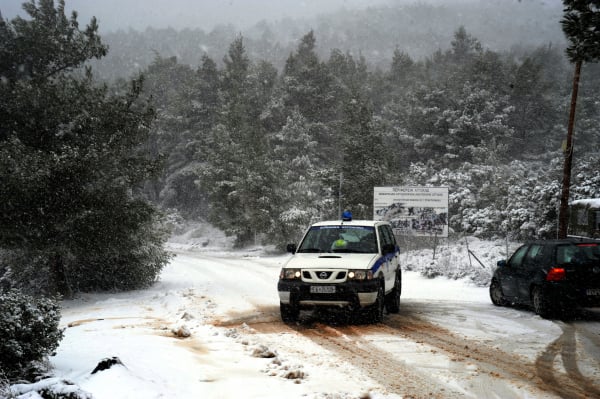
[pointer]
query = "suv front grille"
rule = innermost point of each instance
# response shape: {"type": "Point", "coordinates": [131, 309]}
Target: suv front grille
{"type": "Point", "coordinates": [322, 276]}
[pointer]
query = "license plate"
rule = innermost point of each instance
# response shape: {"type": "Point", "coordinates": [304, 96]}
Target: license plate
{"type": "Point", "coordinates": [322, 289]}
{"type": "Point", "coordinates": [593, 291]}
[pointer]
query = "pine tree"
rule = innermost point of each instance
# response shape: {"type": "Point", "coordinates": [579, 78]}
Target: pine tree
{"type": "Point", "coordinates": [362, 166]}
{"type": "Point", "coordinates": [298, 191]}
{"type": "Point", "coordinates": [238, 174]}
{"type": "Point", "coordinates": [464, 46]}
{"type": "Point", "coordinates": [533, 116]}
{"type": "Point", "coordinates": [70, 162]}
{"type": "Point", "coordinates": [167, 83]}
{"type": "Point", "coordinates": [401, 68]}
{"type": "Point", "coordinates": [206, 95]}
{"type": "Point", "coordinates": [307, 83]}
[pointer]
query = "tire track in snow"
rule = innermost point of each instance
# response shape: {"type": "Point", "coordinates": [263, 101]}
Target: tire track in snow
{"type": "Point", "coordinates": [493, 368]}
{"type": "Point", "coordinates": [565, 346]}
{"type": "Point", "coordinates": [351, 342]}
{"type": "Point", "coordinates": [501, 364]}
{"type": "Point", "coordinates": [379, 365]}
{"type": "Point", "coordinates": [350, 345]}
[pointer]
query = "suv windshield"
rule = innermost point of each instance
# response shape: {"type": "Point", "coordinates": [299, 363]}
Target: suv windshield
{"type": "Point", "coordinates": [359, 239]}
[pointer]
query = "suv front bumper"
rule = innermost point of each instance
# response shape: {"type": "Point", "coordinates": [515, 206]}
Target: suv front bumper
{"type": "Point", "coordinates": [353, 294]}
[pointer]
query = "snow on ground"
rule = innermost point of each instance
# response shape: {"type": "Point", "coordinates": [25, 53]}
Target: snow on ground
{"type": "Point", "coordinates": [194, 333]}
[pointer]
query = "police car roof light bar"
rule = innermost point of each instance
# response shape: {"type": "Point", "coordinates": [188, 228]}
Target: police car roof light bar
{"type": "Point", "coordinates": [347, 216]}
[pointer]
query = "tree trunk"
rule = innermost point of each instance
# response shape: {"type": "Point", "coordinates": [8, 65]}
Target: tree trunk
{"type": "Point", "coordinates": [60, 282]}
{"type": "Point", "coordinates": [563, 215]}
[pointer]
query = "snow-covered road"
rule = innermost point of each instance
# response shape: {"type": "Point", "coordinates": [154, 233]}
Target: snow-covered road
{"type": "Point", "coordinates": [447, 341]}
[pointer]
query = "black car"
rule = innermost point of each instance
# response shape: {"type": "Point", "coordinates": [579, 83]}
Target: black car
{"type": "Point", "coordinates": [552, 276]}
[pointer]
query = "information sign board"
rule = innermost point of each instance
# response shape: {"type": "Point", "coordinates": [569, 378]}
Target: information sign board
{"type": "Point", "coordinates": [413, 210]}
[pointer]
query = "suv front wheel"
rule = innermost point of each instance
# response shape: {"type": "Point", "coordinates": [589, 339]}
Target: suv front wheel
{"type": "Point", "coordinates": [289, 313]}
{"type": "Point", "coordinates": [392, 300]}
{"type": "Point", "coordinates": [374, 313]}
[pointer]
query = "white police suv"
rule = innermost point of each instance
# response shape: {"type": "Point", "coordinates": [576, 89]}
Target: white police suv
{"type": "Point", "coordinates": [347, 263]}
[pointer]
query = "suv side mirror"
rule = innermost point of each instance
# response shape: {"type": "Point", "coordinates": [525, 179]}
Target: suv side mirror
{"type": "Point", "coordinates": [291, 248]}
{"type": "Point", "coordinates": [501, 263]}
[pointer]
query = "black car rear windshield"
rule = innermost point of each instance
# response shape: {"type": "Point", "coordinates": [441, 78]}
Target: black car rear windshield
{"type": "Point", "coordinates": [578, 253]}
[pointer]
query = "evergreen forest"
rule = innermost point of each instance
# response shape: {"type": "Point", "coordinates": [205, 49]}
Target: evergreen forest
{"type": "Point", "coordinates": [104, 149]}
{"type": "Point", "coordinates": [261, 151]}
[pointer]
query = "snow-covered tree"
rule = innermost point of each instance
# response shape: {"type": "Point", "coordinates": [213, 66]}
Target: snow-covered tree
{"type": "Point", "coordinates": [237, 174]}
{"type": "Point", "coordinates": [362, 165]}
{"type": "Point", "coordinates": [307, 83]}
{"type": "Point", "coordinates": [29, 332]}
{"type": "Point", "coordinates": [581, 25]}
{"type": "Point", "coordinates": [478, 128]}
{"type": "Point", "coordinates": [533, 116]}
{"type": "Point", "coordinates": [299, 191]}
{"type": "Point", "coordinates": [71, 159]}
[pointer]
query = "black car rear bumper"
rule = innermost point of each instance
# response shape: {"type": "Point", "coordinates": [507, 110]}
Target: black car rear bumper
{"type": "Point", "coordinates": [567, 294]}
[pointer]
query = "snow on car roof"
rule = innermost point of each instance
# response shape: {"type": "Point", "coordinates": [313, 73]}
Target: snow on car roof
{"type": "Point", "coordinates": [592, 202]}
{"type": "Point", "coordinates": [370, 223]}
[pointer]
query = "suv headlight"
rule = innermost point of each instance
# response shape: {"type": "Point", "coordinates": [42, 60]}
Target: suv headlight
{"type": "Point", "coordinates": [360, 275]}
{"type": "Point", "coordinates": [289, 274]}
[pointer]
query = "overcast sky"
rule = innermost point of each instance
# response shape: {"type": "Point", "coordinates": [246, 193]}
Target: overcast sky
{"type": "Point", "coordinates": [203, 14]}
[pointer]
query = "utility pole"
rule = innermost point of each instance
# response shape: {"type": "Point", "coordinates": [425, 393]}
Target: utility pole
{"type": "Point", "coordinates": [563, 213]}
{"type": "Point", "coordinates": [581, 25]}
{"type": "Point", "coordinates": [340, 195]}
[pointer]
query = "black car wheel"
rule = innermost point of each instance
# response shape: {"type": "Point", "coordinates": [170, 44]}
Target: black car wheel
{"type": "Point", "coordinates": [392, 300]}
{"type": "Point", "coordinates": [289, 313]}
{"type": "Point", "coordinates": [540, 303]}
{"type": "Point", "coordinates": [496, 294]}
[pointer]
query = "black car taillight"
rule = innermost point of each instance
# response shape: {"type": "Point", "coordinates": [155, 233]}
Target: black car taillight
{"type": "Point", "coordinates": [556, 274]}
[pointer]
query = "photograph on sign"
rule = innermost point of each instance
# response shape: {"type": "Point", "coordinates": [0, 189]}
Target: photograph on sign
{"type": "Point", "coordinates": [417, 211]}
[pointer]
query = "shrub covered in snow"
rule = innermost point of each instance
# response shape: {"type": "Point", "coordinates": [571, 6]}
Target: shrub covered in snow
{"type": "Point", "coordinates": [468, 257]}
{"type": "Point", "coordinates": [28, 332]}
{"type": "Point", "coordinates": [49, 388]}
{"type": "Point", "coordinates": [518, 200]}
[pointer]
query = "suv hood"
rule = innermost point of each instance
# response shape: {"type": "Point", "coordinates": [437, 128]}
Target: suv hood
{"type": "Point", "coordinates": [331, 261]}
